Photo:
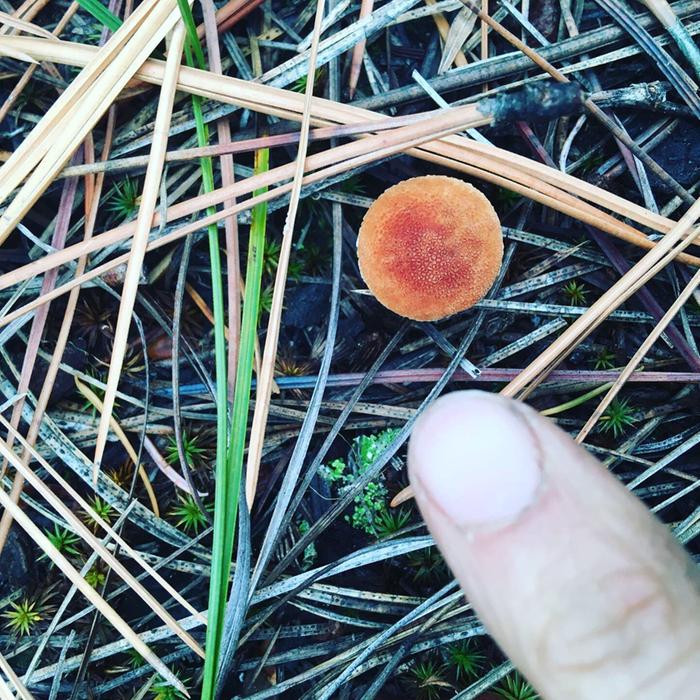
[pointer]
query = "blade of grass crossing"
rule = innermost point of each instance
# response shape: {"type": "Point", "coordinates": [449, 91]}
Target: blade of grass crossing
{"type": "Point", "coordinates": [226, 497]}
{"type": "Point", "coordinates": [227, 490]}
{"type": "Point", "coordinates": [101, 14]}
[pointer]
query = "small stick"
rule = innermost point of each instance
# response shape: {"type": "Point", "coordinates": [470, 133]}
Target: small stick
{"type": "Point", "coordinates": [359, 51]}
{"type": "Point", "coordinates": [484, 37]}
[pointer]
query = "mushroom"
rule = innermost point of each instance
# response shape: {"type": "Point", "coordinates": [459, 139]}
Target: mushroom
{"type": "Point", "coordinates": [430, 247]}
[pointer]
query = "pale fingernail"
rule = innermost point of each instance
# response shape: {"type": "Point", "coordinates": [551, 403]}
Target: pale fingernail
{"type": "Point", "coordinates": [476, 459]}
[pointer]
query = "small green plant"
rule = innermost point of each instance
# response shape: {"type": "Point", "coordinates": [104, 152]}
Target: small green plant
{"type": "Point", "coordinates": [265, 304]}
{"type": "Point", "coordinates": [353, 185]}
{"type": "Point", "coordinates": [97, 390]}
{"type": "Point", "coordinates": [101, 508]}
{"type": "Point", "coordinates": [271, 256]}
{"type": "Point", "coordinates": [96, 577]}
{"type": "Point", "coordinates": [427, 565]}
{"type": "Point", "coordinates": [466, 660]}
{"type": "Point", "coordinates": [390, 521]}
{"type": "Point", "coordinates": [310, 553]}
{"type": "Point", "coordinates": [515, 687]}
{"type": "Point", "coordinates": [122, 474]}
{"type": "Point", "coordinates": [427, 678]}
{"type": "Point", "coordinates": [124, 199]}
{"type": "Point", "coordinates": [135, 660]}
{"type": "Point", "coordinates": [618, 417]}
{"type": "Point", "coordinates": [162, 690]}
{"type": "Point", "coordinates": [315, 259]}
{"type": "Point", "coordinates": [190, 516]}
{"type": "Point", "coordinates": [190, 446]}
{"type": "Point", "coordinates": [576, 293]}
{"type": "Point", "coordinates": [371, 504]}
{"type": "Point", "coordinates": [605, 359]}
{"type": "Point", "coordinates": [23, 617]}
{"type": "Point", "coordinates": [300, 83]}
{"type": "Point", "coordinates": [64, 540]}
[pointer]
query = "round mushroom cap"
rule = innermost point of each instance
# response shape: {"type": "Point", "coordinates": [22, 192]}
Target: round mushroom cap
{"type": "Point", "coordinates": [430, 247]}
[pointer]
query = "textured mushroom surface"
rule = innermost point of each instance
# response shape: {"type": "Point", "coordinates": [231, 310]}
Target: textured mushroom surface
{"type": "Point", "coordinates": [429, 247]}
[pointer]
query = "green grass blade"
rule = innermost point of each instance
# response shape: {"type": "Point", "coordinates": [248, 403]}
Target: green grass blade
{"type": "Point", "coordinates": [227, 483]}
{"type": "Point", "coordinates": [101, 14]}
{"type": "Point", "coordinates": [226, 513]}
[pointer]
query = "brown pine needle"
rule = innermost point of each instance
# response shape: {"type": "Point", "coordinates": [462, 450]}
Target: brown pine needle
{"type": "Point", "coordinates": [25, 522]}
{"type": "Point", "coordinates": [358, 53]}
{"type": "Point", "coordinates": [90, 395]}
{"type": "Point", "coordinates": [97, 546]}
{"type": "Point", "coordinates": [139, 244]}
{"type": "Point", "coordinates": [638, 356]}
{"type": "Point", "coordinates": [267, 369]}
{"type": "Point", "coordinates": [54, 139]}
{"type": "Point", "coordinates": [486, 162]}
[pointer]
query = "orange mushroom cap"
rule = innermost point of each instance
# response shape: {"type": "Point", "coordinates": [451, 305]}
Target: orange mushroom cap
{"type": "Point", "coordinates": [430, 247]}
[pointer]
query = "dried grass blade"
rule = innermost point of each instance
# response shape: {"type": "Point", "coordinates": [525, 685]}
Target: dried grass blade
{"type": "Point", "coordinates": [67, 123]}
{"type": "Point", "coordinates": [77, 525]}
{"type": "Point", "coordinates": [140, 241]}
{"type": "Point", "coordinates": [22, 691]}
{"type": "Point", "coordinates": [92, 397]}
{"type": "Point", "coordinates": [638, 356]}
{"type": "Point", "coordinates": [450, 151]}
{"type": "Point", "coordinates": [650, 264]}
{"type": "Point", "coordinates": [36, 333]}
{"type": "Point", "coordinates": [460, 30]}
{"type": "Point", "coordinates": [21, 25]}
{"type": "Point", "coordinates": [85, 588]}
{"type": "Point", "coordinates": [358, 52]}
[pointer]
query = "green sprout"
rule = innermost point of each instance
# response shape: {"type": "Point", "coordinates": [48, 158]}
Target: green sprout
{"type": "Point", "coordinates": [124, 199]}
{"type": "Point", "coordinates": [265, 304]}
{"type": "Point", "coordinates": [23, 617]}
{"type": "Point", "coordinates": [295, 268]}
{"type": "Point", "coordinates": [314, 258]}
{"type": "Point", "coordinates": [515, 687]}
{"type": "Point", "coordinates": [466, 660]}
{"type": "Point", "coordinates": [310, 553]}
{"type": "Point", "coordinates": [300, 83]}
{"type": "Point", "coordinates": [190, 516]}
{"type": "Point", "coordinates": [64, 540]}
{"type": "Point", "coordinates": [605, 359]}
{"type": "Point", "coordinates": [162, 690]}
{"type": "Point", "coordinates": [353, 185]}
{"type": "Point", "coordinates": [428, 680]}
{"type": "Point", "coordinates": [96, 577]}
{"type": "Point", "coordinates": [271, 256]}
{"type": "Point", "coordinates": [576, 293]}
{"type": "Point", "coordinates": [135, 659]}
{"type": "Point", "coordinates": [102, 509]}
{"type": "Point", "coordinates": [618, 417]}
{"type": "Point", "coordinates": [390, 521]}
{"type": "Point", "coordinates": [190, 446]}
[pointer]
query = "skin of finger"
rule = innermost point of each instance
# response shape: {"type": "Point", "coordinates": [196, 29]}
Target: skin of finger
{"type": "Point", "coordinates": [586, 591]}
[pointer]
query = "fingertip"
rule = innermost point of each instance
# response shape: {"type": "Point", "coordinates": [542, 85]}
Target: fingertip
{"type": "Point", "coordinates": [475, 457]}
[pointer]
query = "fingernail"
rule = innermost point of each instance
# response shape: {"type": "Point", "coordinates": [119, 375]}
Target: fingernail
{"type": "Point", "coordinates": [475, 457]}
